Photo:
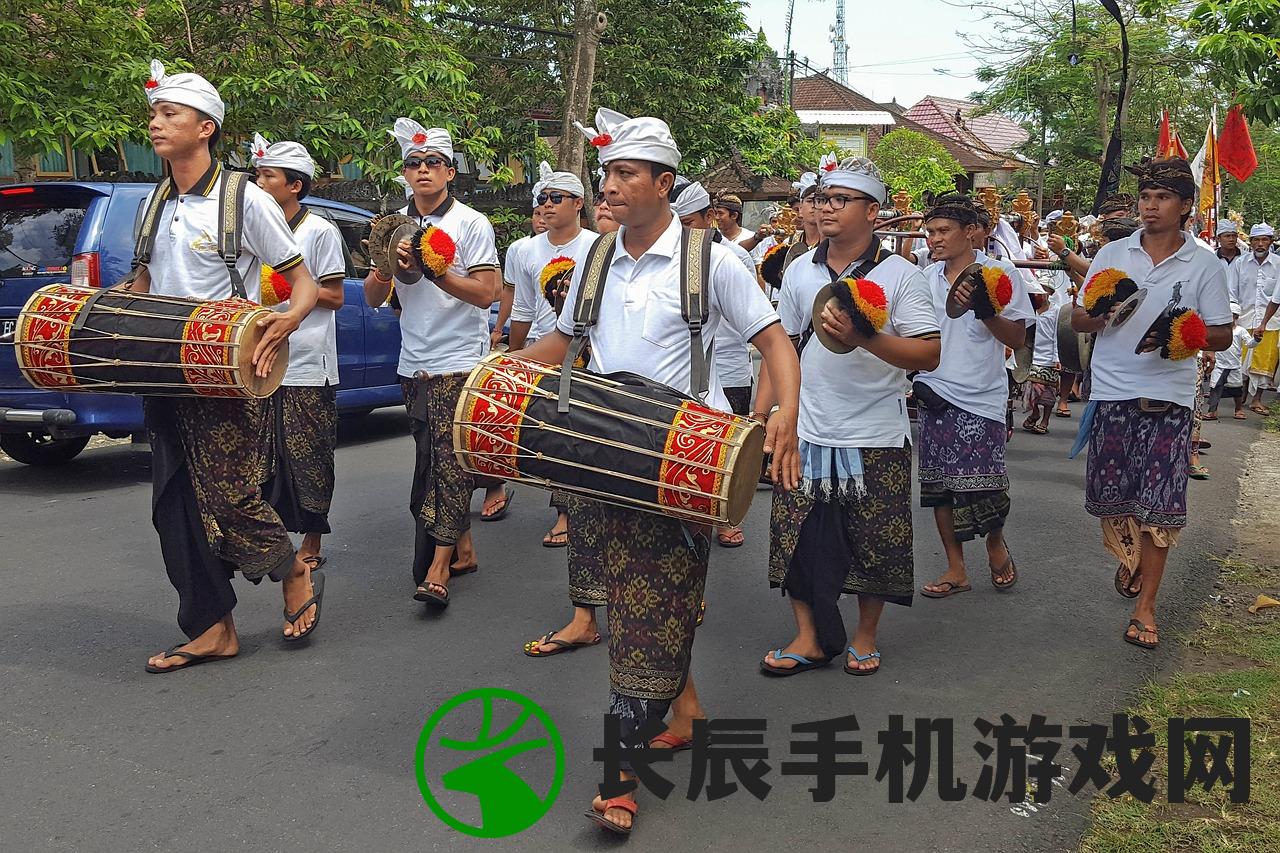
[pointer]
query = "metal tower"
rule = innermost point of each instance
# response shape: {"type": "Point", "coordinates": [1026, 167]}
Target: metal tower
{"type": "Point", "coordinates": [840, 52]}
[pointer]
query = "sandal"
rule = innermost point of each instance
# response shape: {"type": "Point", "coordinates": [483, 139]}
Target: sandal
{"type": "Point", "coordinates": [803, 664]}
{"type": "Point", "coordinates": [550, 639]}
{"type": "Point", "coordinates": [1259, 409]}
{"type": "Point", "coordinates": [1029, 425]}
{"type": "Point", "coordinates": [425, 594]}
{"type": "Point", "coordinates": [1136, 639]}
{"type": "Point", "coordinates": [624, 803]}
{"type": "Point", "coordinates": [731, 537]}
{"type": "Point", "coordinates": [459, 571]}
{"type": "Point", "coordinates": [1240, 416]}
{"type": "Point", "coordinates": [951, 589]}
{"type": "Point", "coordinates": [1208, 417]}
{"type": "Point", "coordinates": [1007, 566]}
{"type": "Point", "coordinates": [1062, 413]}
{"type": "Point", "coordinates": [1198, 472]}
{"type": "Point", "coordinates": [507, 496]}
{"type": "Point", "coordinates": [556, 539]}
{"type": "Point", "coordinates": [853, 670]}
{"type": "Point", "coordinates": [1124, 582]}
{"type": "Point", "coordinates": [317, 597]}
{"type": "Point", "coordinates": [315, 561]}
{"type": "Point", "coordinates": [190, 658]}
{"type": "Point", "coordinates": [675, 743]}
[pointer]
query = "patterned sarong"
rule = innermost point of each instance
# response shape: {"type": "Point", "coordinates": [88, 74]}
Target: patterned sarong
{"type": "Point", "coordinates": [586, 552]}
{"type": "Point", "coordinates": [962, 466]}
{"type": "Point", "coordinates": [305, 438]}
{"type": "Point", "coordinates": [440, 498]}
{"type": "Point", "coordinates": [1138, 463]}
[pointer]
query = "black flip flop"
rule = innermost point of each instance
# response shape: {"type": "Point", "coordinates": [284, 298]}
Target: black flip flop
{"type": "Point", "coordinates": [506, 505]}
{"type": "Point", "coordinates": [317, 597]}
{"type": "Point", "coordinates": [1124, 585]}
{"type": "Point", "coordinates": [803, 664]}
{"type": "Point", "coordinates": [315, 561]}
{"type": "Point", "coordinates": [427, 596]}
{"type": "Point", "coordinates": [530, 648]}
{"type": "Point", "coordinates": [1007, 564]}
{"type": "Point", "coordinates": [951, 589]}
{"type": "Point", "coordinates": [1058, 413]}
{"type": "Point", "coordinates": [555, 539]}
{"type": "Point", "coordinates": [191, 660]}
{"type": "Point", "coordinates": [1136, 640]}
{"type": "Point", "coordinates": [459, 571]}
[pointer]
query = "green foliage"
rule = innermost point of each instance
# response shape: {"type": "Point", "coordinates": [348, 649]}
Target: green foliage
{"type": "Point", "coordinates": [914, 163]}
{"type": "Point", "coordinates": [772, 143]}
{"type": "Point", "coordinates": [1240, 39]}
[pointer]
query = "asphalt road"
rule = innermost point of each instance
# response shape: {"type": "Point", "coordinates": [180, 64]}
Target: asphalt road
{"type": "Point", "coordinates": [313, 748]}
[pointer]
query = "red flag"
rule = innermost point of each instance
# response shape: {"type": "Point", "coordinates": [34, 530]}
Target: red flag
{"type": "Point", "coordinates": [1162, 146]}
{"type": "Point", "coordinates": [1235, 148]}
{"type": "Point", "coordinates": [1177, 149]}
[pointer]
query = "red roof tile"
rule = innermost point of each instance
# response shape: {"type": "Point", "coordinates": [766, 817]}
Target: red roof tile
{"type": "Point", "coordinates": [993, 132]}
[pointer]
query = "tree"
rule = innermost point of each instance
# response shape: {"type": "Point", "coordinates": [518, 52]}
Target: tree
{"type": "Point", "coordinates": [913, 163]}
{"type": "Point", "coordinates": [1240, 39]}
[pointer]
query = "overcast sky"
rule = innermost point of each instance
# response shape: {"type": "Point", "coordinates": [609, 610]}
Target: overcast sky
{"type": "Point", "coordinates": [894, 46]}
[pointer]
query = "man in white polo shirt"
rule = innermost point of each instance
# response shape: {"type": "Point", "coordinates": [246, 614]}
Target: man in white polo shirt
{"type": "Point", "coordinates": [208, 454]}
{"type": "Point", "coordinates": [305, 407]}
{"type": "Point", "coordinates": [1251, 281]}
{"type": "Point", "coordinates": [444, 332]}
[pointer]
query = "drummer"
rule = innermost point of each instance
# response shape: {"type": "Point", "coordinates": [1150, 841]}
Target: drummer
{"type": "Point", "coordinates": [306, 406]}
{"type": "Point", "coordinates": [207, 453]}
{"type": "Point", "coordinates": [655, 565]}
{"type": "Point", "coordinates": [444, 331]}
{"type": "Point", "coordinates": [807, 234]}
{"type": "Point", "coordinates": [963, 402]}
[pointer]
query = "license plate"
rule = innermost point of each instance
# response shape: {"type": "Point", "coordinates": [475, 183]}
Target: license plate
{"type": "Point", "coordinates": [6, 327]}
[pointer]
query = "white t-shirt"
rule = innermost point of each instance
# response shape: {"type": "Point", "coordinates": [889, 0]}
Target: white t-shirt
{"type": "Point", "coordinates": [1232, 358]}
{"type": "Point", "coordinates": [971, 373]}
{"type": "Point", "coordinates": [185, 261]}
{"type": "Point", "coordinates": [854, 399]}
{"type": "Point", "coordinates": [640, 329]}
{"type": "Point", "coordinates": [1194, 278]}
{"type": "Point", "coordinates": [530, 305]}
{"type": "Point", "coordinates": [1045, 351]}
{"type": "Point", "coordinates": [1252, 286]}
{"type": "Point", "coordinates": [440, 333]}
{"type": "Point", "coordinates": [313, 346]}
{"type": "Point", "coordinates": [733, 359]}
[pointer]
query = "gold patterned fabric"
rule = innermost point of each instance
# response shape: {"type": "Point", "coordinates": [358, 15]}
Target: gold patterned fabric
{"type": "Point", "coordinates": [302, 456]}
{"type": "Point", "coordinates": [440, 498]}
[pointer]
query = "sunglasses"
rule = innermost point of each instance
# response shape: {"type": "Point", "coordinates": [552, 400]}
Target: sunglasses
{"type": "Point", "coordinates": [554, 198]}
{"type": "Point", "coordinates": [412, 164]}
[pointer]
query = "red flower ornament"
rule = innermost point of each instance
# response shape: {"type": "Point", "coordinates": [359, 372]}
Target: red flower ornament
{"type": "Point", "coordinates": [419, 138]}
{"type": "Point", "coordinates": [151, 84]}
{"type": "Point", "coordinates": [600, 140]}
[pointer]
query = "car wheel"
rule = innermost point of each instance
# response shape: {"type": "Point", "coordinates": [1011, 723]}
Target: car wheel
{"type": "Point", "coordinates": [38, 448]}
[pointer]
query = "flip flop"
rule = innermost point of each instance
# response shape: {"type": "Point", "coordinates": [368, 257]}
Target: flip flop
{"type": "Point", "coordinates": [1198, 472]}
{"type": "Point", "coordinates": [853, 670]}
{"type": "Point", "coordinates": [507, 496]}
{"type": "Point", "coordinates": [951, 589]}
{"type": "Point", "coordinates": [616, 803]}
{"type": "Point", "coordinates": [673, 742]}
{"type": "Point", "coordinates": [1208, 417]}
{"type": "Point", "coordinates": [556, 539]}
{"type": "Point", "coordinates": [1205, 444]}
{"type": "Point", "coordinates": [191, 660]}
{"type": "Point", "coordinates": [315, 561]}
{"type": "Point", "coordinates": [459, 571]}
{"type": "Point", "coordinates": [1008, 564]}
{"type": "Point", "coordinates": [1261, 410]}
{"type": "Point", "coordinates": [1142, 629]}
{"type": "Point", "coordinates": [1061, 414]}
{"type": "Point", "coordinates": [724, 541]}
{"type": "Point", "coordinates": [317, 597]}
{"type": "Point", "coordinates": [803, 664]}
{"type": "Point", "coordinates": [1240, 416]}
{"type": "Point", "coordinates": [549, 638]}
{"type": "Point", "coordinates": [1124, 582]}
{"type": "Point", "coordinates": [424, 594]}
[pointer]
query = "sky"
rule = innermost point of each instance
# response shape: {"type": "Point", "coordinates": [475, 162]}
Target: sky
{"type": "Point", "coordinates": [894, 47]}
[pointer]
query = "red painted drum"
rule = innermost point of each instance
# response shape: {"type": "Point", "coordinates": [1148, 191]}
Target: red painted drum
{"type": "Point", "coordinates": [625, 440]}
{"type": "Point", "coordinates": [88, 339]}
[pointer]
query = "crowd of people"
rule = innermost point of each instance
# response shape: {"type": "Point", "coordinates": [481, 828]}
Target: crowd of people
{"type": "Point", "coordinates": [931, 324]}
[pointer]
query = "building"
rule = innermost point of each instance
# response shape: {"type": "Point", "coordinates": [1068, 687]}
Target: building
{"type": "Point", "coordinates": [993, 136]}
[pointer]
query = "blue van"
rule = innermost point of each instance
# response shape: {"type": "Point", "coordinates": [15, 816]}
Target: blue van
{"type": "Point", "coordinates": [83, 233]}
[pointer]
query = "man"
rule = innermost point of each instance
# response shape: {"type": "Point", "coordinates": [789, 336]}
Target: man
{"type": "Point", "coordinates": [208, 454]}
{"type": "Point", "coordinates": [848, 529]}
{"type": "Point", "coordinates": [1252, 283]}
{"type": "Point", "coordinates": [807, 233]}
{"type": "Point", "coordinates": [605, 223]}
{"type": "Point", "coordinates": [655, 566]}
{"type": "Point", "coordinates": [1139, 423]}
{"type": "Point", "coordinates": [963, 403]}
{"type": "Point", "coordinates": [729, 218]}
{"type": "Point", "coordinates": [444, 332]}
{"type": "Point", "coordinates": [306, 406]}
{"type": "Point", "coordinates": [692, 204]}
{"type": "Point", "coordinates": [510, 262]}
{"type": "Point", "coordinates": [1228, 242]}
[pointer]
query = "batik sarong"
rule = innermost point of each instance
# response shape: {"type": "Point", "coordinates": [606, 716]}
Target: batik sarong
{"type": "Point", "coordinates": [962, 466]}
{"type": "Point", "coordinates": [304, 440]}
{"type": "Point", "coordinates": [586, 552]}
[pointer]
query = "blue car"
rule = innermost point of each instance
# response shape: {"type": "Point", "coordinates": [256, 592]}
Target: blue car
{"type": "Point", "coordinates": [83, 233]}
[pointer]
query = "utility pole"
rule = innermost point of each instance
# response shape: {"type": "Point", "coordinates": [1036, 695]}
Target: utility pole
{"type": "Point", "coordinates": [589, 25]}
{"type": "Point", "coordinates": [1044, 156]}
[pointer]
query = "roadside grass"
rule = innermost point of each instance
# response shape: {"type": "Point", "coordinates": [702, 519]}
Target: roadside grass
{"type": "Point", "coordinates": [1231, 668]}
{"type": "Point", "coordinates": [1271, 422]}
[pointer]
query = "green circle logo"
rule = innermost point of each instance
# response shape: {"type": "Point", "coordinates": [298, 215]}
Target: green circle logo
{"type": "Point", "coordinates": [488, 727]}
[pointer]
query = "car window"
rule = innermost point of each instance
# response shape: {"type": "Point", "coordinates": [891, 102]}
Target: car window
{"type": "Point", "coordinates": [38, 237]}
{"type": "Point", "coordinates": [354, 229]}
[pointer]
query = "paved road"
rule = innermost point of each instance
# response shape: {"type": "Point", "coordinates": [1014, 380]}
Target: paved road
{"type": "Point", "coordinates": [312, 749]}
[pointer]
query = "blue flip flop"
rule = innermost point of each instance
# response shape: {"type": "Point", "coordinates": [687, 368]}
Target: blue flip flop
{"type": "Point", "coordinates": [853, 670]}
{"type": "Point", "coordinates": [803, 664]}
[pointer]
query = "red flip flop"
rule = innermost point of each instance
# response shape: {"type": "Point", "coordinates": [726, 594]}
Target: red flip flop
{"type": "Point", "coordinates": [623, 803]}
{"type": "Point", "coordinates": [673, 742]}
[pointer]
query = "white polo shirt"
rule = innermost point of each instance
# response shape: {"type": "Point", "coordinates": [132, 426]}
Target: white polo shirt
{"type": "Point", "coordinates": [1193, 278]}
{"type": "Point", "coordinates": [640, 329]}
{"type": "Point", "coordinates": [185, 261]}
{"type": "Point", "coordinates": [313, 346]}
{"type": "Point", "coordinates": [733, 359]}
{"type": "Point", "coordinates": [440, 333]}
{"type": "Point", "coordinates": [854, 399]}
{"type": "Point", "coordinates": [1252, 285]}
{"type": "Point", "coordinates": [971, 373]}
{"type": "Point", "coordinates": [530, 304]}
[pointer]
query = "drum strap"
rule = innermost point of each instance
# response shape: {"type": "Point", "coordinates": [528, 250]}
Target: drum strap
{"type": "Point", "coordinates": [230, 226]}
{"type": "Point", "coordinates": [586, 310]}
{"type": "Point", "coordinates": [145, 241]}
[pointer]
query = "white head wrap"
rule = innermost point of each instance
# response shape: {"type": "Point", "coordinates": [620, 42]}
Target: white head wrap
{"type": "Point", "coordinates": [1053, 216]}
{"type": "Point", "coordinates": [617, 137]}
{"type": "Point", "coordinates": [828, 163]}
{"type": "Point", "coordinates": [1034, 287]}
{"type": "Point", "coordinates": [808, 181]}
{"type": "Point", "coordinates": [1227, 226]}
{"type": "Point", "coordinates": [282, 155]}
{"type": "Point", "coordinates": [1262, 229]}
{"type": "Point", "coordinates": [414, 137]}
{"type": "Point", "coordinates": [190, 90]}
{"type": "Point", "coordinates": [856, 173]}
{"type": "Point", "coordinates": [694, 198]}
{"type": "Point", "coordinates": [565, 182]}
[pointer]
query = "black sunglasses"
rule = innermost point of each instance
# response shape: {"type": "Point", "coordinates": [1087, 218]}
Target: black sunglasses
{"type": "Point", "coordinates": [554, 198]}
{"type": "Point", "coordinates": [412, 164]}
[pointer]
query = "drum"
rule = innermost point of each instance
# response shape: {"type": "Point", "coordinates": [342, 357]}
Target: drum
{"type": "Point", "coordinates": [1074, 348]}
{"type": "Point", "coordinates": [625, 440]}
{"type": "Point", "coordinates": [91, 339]}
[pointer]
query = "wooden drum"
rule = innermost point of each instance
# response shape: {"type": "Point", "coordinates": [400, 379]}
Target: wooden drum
{"type": "Point", "coordinates": [89, 339]}
{"type": "Point", "coordinates": [625, 440]}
